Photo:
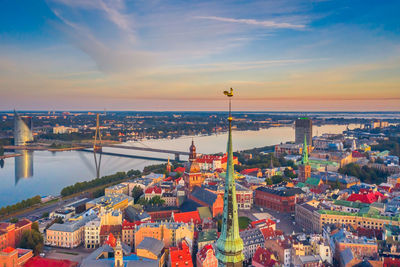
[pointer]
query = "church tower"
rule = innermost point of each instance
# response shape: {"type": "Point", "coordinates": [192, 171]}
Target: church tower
{"type": "Point", "coordinates": [304, 167]}
{"type": "Point", "coordinates": [168, 166]}
{"type": "Point", "coordinates": [229, 244]}
{"type": "Point", "coordinates": [192, 155]}
{"type": "Point", "coordinates": [118, 255]}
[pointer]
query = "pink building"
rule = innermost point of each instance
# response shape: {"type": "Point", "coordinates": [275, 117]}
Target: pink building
{"type": "Point", "coordinates": [206, 257]}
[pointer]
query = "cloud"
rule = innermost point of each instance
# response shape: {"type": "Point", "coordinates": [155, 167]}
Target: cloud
{"type": "Point", "coordinates": [253, 22]}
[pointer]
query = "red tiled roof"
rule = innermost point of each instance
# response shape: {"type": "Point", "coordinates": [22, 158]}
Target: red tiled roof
{"type": "Point", "coordinates": [153, 190]}
{"type": "Point", "coordinates": [263, 222]}
{"type": "Point", "coordinates": [22, 223]}
{"type": "Point", "coordinates": [181, 256]}
{"type": "Point", "coordinates": [365, 197]}
{"type": "Point", "coordinates": [46, 262]}
{"type": "Point", "coordinates": [247, 171]}
{"type": "Point", "coordinates": [187, 217]}
{"type": "Point", "coordinates": [126, 225]}
{"type": "Point", "coordinates": [389, 262]}
{"type": "Point", "coordinates": [180, 169]}
{"type": "Point", "coordinates": [202, 254]}
{"type": "Point", "coordinates": [107, 229]}
{"type": "Point", "coordinates": [8, 249]}
{"type": "Point", "coordinates": [263, 256]}
{"type": "Point", "coordinates": [170, 178]}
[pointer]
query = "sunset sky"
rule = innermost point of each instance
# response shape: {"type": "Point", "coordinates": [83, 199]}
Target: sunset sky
{"type": "Point", "coordinates": [180, 55]}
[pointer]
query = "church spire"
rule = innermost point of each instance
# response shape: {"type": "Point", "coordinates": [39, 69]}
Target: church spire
{"type": "Point", "coordinates": [229, 244]}
{"type": "Point", "coordinates": [304, 160]}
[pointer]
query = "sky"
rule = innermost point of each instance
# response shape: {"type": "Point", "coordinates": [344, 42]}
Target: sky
{"type": "Point", "coordinates": [280, 55]}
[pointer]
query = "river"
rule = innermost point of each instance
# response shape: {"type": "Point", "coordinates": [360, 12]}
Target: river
{"type": "Point", "coordinates": [46, 173]}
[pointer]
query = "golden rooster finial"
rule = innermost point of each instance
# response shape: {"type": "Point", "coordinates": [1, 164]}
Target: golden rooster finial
{"type": "Point", "coordinates": [229, 93]}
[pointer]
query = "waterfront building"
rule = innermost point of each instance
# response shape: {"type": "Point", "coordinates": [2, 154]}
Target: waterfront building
{"type": "Point", "coordinates": [11, 233]}
{"type": "Point", "coordinates": [22, 129]}
{"type": "Point", "coordinates": [229, 244]}
{"type": "Point", "coordinates": [303, 127]}
{"type": "Point", "coordinates": [214, 162]}
{"type": "Point", "coordinates": [304, 167]}
{"type": "Point", "coordinates": [282, 199]}
{"type": "Point", "coordinates": [64, 130]}
{"type": "Point", "coordinates": [171, 233]}
{"type": "Point", "coordinates": [206, 257]}
{"type": "Point", "coordinates": [288, 149]}
{"type": "Point", "coordinates": [117, 189]}
{"type": "Point", "coordinates": [115, 202]}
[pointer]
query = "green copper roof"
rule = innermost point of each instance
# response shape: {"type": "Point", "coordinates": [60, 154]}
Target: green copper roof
{"type": "Point", "coordinates": [229, 244]}
{"type": "Point", "coordinates": [304, 160]}
{"type": "Point", "coordinates": [313, 181]}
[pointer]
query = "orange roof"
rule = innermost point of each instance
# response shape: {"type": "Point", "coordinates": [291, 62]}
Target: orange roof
{"type": "Point", "coordinates": [247, 171]}
{"type": "Point", "coordinates": [111, 240]}
{"type": "Point", "coordinates": [181, 257]}
{"type": "Point", "coordinates": [187, 217]}
{"type": "Point", "coordinates": [46, 262]}
{"type": "Point", "coordinates": [8, 249]}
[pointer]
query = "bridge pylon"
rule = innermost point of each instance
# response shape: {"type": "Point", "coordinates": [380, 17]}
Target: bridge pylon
{"type": "Point", "coordinates": [177, 156]}
{"type": "Point", "coordinates": [97, 147]}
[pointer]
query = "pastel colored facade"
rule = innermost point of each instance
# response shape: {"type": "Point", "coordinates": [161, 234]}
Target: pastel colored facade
{"type": "Point", "coordinates": [92, 234]}
{"type": "Point", "coordinates": [282, 248]}
{"type": "Point", "coordinates": [128, 232]}
{"type": "Point", "coordinates": [114, 201]}
{"type": "Point", "coordinates": [171, 233]}
{"type": "Point", "coordinates": [10, 234]}
{"type": "Point", "coordinates": [152, 249]}
{"type": "Point", "coordinates": [11, 257]}
{"type": "Point", "coordinates": [71, 234]}
{"type": "Point", "coordinates": [322, 217]}
{"type": "Point", "coordinates": [206, 257]}
{"type": "Point", "coordinates": [117, 189]}
{"type": "Point", "coordinates": [213, 162]}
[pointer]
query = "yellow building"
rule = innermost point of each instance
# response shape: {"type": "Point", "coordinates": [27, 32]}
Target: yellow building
{"type": "Point", "coordinates": [70, 234]}
{"type": "Point", "coordinates": [117, 189]}
{"type": "Point", "coordinates": [171, 233]}
{"type": "Point", "coordinates": [153, 249]}
{"type": "Point", "coordinates": [92, 234]}
{"type": "Point", "coordinates": [369, 220]}
{"type": "Point", "coordinates": [114, 202]}
{"type": "Point", "coordinates": [110, 217]}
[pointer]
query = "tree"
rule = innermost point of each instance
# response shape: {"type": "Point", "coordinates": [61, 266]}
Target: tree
{"type": "Point", "coordinates": [157, 201]}
{"type": "Point", "coordinates": [137, 191]}
{"type": "Point", "coordinates": [14, 220]}
{"type": "Point", "coordinates": [268, 181]}
{"type": "Point", "coordinates": [45, 215]}
{"type": "Point", "coordinates": [32, 239]}
{"type": "Point", "coordinates": [276, 179]}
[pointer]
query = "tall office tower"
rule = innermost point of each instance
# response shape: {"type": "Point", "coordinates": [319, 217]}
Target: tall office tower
{"type": "Point", "coordinates": [22, 129]}
{"type": "Point", "coordinates": [303, 126]}
{"type": "Point", "coordinates": [229, 244]}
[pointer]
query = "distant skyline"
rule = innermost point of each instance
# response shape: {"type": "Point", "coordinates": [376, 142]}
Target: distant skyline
{"type": "Point", "coordinates": [287, 55]}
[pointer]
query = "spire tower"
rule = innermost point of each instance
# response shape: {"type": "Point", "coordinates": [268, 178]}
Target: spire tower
{"type": "Point", "coordinates": [304, 159]}
{"type": "Point", "coordinates": [229, 244]}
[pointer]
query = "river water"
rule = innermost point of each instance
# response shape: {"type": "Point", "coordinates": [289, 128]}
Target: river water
{"type": "Point", "coordinates": [46, 173]}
